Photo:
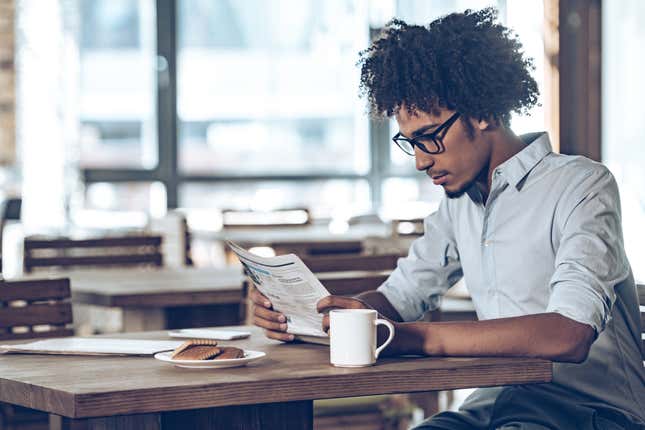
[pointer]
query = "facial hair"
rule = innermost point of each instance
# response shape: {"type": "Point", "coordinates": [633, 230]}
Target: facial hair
{"type": "Point", "coordinates": [460, 192]}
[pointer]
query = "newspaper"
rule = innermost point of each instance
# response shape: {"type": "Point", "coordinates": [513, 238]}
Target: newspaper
{"type": "Point", "coordinates": [292, 289]}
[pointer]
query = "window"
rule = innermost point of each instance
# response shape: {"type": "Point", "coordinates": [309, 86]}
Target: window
{"type": "Point", "coordinates": [325, 197]}
{"type": "Point", "coordinates": [272, 91]}
{"type": "Point", "coordinates": [258, 101]}
{"type": "Point", "coordinates": [117, 84]}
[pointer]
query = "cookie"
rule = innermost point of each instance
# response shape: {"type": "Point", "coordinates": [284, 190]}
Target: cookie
{"type": "Point", "coordinates": [229, 352]}
{"type": "Point", "coordinates": [191, 343]}
{"type": "Point", "coordinates": [198, 352]}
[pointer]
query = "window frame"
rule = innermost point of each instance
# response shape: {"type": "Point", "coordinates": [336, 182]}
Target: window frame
{"type": "Point", "coordinates": [167, 170]}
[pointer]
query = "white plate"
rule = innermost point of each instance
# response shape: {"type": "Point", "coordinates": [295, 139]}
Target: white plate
{"type": "Point", "coordinates": [249, 356]}
{"type": "Point", "coordinates": [204, 333]}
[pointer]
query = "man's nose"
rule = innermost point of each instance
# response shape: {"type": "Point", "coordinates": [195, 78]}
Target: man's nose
{"type": "Point", "coordinates": [423, 160]}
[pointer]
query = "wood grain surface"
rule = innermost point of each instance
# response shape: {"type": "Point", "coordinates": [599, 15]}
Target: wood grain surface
{"type": "Point", "coordinates": [78, 387]}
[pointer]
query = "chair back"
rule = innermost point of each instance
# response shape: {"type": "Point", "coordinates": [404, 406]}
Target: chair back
{"type": "Point", "coordinates": [351, 262]}
{"type": "Point", "coordinates": [65, 253]}
{"type": "Point", "coordinates": [9, 210]}
{"type": "Point", "coordinates": [35, 308]}
{"type": "Point", "coordinates": [351, 283]}
{"type": "Point", "coordinates": [318, 247]}
{"type": "Point", "coordinates": [407, 227]}
{"type": "Point", "coordinates": [348, 275]}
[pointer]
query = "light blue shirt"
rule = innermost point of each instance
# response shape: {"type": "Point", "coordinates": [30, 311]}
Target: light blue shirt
{"type": "Point", "coordinates": [548, 239]}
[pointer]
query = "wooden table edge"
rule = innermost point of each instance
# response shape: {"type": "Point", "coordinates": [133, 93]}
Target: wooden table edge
{"type": "Point", "coordinates": [154, 400]}
{"type": "Point", "coordinates": [156, 300]}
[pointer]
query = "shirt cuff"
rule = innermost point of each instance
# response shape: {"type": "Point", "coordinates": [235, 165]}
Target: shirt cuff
{"type": "Point", "coordinates": [579, 304]}
{"type": "Point", "coordinates": [409, 309]}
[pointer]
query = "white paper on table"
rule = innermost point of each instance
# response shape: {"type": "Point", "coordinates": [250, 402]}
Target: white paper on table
{"type": "Point", "coordinates": [293, 290]}
{"type": "Point", "coordinates": [93, 346]}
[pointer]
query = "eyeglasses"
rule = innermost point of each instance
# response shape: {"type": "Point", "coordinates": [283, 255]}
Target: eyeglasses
{"type": "Point", "coordinates": [431, 143]}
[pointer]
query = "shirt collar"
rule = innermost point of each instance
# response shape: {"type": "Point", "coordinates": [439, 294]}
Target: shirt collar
{"type": "Point", "coordinates": [517, 168]}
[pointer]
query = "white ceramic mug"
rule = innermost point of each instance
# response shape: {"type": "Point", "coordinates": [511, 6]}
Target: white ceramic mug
{"type": "Point", "coordinates": [352, 337]}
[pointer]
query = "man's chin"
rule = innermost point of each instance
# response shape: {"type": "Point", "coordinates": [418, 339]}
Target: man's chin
{"type": "Point", "coordinates": [455, 194]}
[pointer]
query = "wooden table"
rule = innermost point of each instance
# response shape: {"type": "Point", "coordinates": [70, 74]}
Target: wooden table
{"type": "Point", "coordinates": [166, 298]}
{"type": "Point", "coordinates": [274, 393]}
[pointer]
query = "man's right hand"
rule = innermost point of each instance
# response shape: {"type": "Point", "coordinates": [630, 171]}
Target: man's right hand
{"type": "Point", "coordinates": [274, 323]}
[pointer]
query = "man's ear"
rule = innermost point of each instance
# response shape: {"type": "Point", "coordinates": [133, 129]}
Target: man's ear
{"type": "Point", "coordinates": [487, 124]}
{"type": "Point", "coordinates": [484, 124]}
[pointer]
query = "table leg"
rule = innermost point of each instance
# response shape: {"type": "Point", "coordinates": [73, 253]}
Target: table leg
{"type": "Point", "coordinates": [120, 422]}
{"type": "Point", "coordinates": [278, 416]}
{"type": "Point", "coordinates": [143, 319]}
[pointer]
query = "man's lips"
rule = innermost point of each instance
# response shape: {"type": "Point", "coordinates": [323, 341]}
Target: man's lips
{"type": "Point", "coordinates": [439, 179]}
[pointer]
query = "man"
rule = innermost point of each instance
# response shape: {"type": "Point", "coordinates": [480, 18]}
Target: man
{"type": "Point", "coordinates": [537, 235]}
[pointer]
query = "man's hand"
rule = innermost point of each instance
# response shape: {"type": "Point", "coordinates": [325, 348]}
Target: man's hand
{"type": "Point", "coordinates": [274, 323]}
{"type": "Point", "coordinates": [337, 302]}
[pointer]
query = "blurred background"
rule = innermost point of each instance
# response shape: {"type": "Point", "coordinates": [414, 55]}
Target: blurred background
{"type": "Point", "coordinates": [114, 112]}
{"type": "Point", "coordinates": [170, 126]}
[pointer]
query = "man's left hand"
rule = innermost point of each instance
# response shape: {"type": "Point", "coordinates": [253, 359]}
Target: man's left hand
{"type": "Point", "coordinates": [337, 302]}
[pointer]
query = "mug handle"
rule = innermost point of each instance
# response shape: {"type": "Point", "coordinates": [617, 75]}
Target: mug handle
{"type": "Point", "coordinates": [390, 326]}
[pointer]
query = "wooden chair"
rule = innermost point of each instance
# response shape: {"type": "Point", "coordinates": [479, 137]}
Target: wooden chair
{"type": "Point", "coordinates": [9, 210]}
{"type": "Point", "coordinates": [352, 262]}
{"type": "Point", "coordinates": [128, 250]}
{"type": "Point", "coordinates": [32, 309]}
{"type": "Point", "coordinates": [318, 247]}
{"type": "Point", "coordinates": [188, 253]}
{"type": "Point", "coordinates": [407, 227]}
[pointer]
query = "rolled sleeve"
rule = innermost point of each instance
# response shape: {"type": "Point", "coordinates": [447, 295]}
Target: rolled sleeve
{"type": "Point", "coordinates": [431, 267]}
{"type": "Point", "coordinates": [590, 260]}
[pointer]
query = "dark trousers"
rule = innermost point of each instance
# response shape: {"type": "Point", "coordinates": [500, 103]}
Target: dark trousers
{"type": "Point", "coordinates": [528, 407]}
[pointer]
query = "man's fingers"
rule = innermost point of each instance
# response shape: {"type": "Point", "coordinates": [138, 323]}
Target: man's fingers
{"type": "Point", "coordinates": [285, 337]}
{"type": "Point", "coordinates": [259, 299]}
{"type": "Point", "coordinates": [334, 302]}
{"type": "Point", "coordinates": [269, 314]}
{"type": "Point", "coordinates": [325, 323]}
{"type": "Point", "coordinates": [269, 325]}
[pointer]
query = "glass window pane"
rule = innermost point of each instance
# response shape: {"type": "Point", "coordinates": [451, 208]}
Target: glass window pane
{"type": "Point", "coordinates": [622, 123]}
{"type": "Point", "coordinates": [117, 54]}
{"type": "Point", "coordinates": [323, 198]}
{"type": "Point", "coordinates": [271, 87]}
{"type": "Point", "coordinates": [148, 197]}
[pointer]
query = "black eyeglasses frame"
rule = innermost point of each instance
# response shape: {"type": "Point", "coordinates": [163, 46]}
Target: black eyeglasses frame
{"type": "Point", "coordinates": [436, 137]}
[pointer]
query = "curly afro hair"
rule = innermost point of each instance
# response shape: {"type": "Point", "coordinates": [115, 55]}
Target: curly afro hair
{"type": "Point", "coordinates": [463, 61]}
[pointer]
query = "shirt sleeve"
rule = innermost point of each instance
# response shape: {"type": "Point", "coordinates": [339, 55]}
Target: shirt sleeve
{"type": "Point", "coordinates": [431, 267]}
{"type": "Point", "coordinates": [590, 260]}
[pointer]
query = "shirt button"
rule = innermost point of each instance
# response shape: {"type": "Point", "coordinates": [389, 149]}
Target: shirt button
{"type": "Point", "coordinates": [486, 243]}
